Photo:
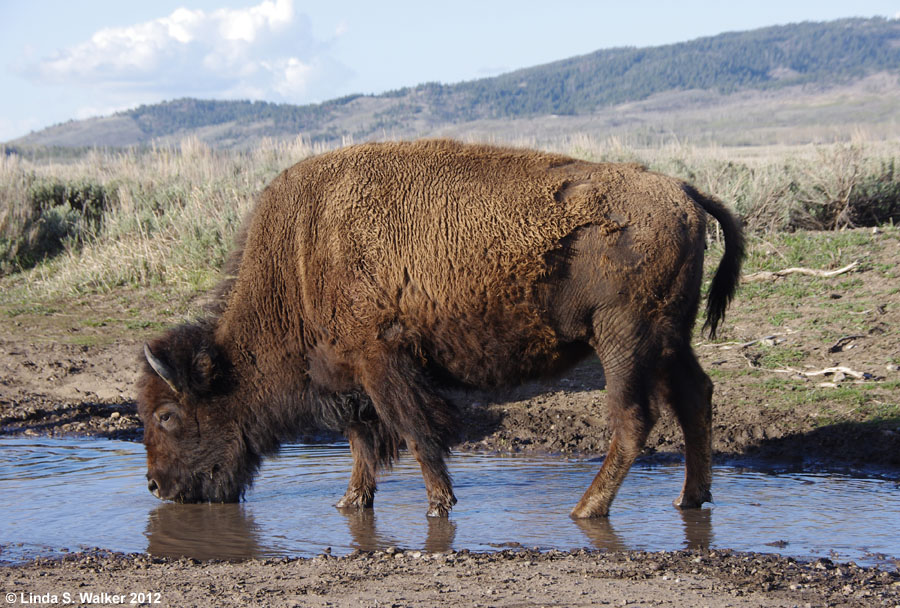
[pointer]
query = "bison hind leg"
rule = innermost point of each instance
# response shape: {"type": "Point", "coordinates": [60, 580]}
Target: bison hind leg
{"type": "Point", "coordinates": [632, 418]}
{"type": "Point", "coordinates": [628, 351]}
{"type": "Point", "coordinates": [688, 390]}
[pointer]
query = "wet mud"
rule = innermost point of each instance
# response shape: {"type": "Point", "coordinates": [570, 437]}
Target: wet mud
{"type": "Point", "coordinates": [395, 577]}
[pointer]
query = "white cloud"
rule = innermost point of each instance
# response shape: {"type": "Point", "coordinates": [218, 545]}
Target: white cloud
{"type": "Point", "coordinates": [292, 77]}
{"type": "Point", "coordinates": [266, 51]}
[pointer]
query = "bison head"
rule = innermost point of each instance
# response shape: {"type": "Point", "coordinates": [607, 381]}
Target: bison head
{"type": "Point", "coordinates": [196, 450]}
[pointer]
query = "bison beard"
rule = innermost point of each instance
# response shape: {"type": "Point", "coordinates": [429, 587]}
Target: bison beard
{"type": "Point", "coordinates": [367, 278]}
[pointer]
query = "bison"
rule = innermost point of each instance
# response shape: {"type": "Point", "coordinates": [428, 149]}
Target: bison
{"type": "Point", "coordinates": [369, 279]}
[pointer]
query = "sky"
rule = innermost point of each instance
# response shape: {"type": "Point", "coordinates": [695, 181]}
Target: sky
{"type": "Point", "coordinates": [62, 60]}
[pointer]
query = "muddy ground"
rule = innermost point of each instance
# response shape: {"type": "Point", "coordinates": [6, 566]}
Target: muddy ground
{"type": "Point", "coordinates": [716, 579]}
{"type": "Point", "coordinates": [806, 375]}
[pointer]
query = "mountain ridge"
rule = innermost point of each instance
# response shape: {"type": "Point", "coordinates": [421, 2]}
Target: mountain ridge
{"type": "Point", "coordinates": [791, 61]}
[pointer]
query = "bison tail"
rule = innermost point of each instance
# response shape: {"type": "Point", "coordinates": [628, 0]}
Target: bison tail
{"type": "Point", "coordinates": [728, 274]}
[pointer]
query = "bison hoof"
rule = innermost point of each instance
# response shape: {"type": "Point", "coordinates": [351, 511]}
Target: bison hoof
{"type": "Point", "coordinates": [693, 502]}
{"type": "Point", "coordinates": [581, 512]}
{"type": "Point", "coordinates": [438, 510]}
{"type": "Point", "coordinates": [355, 500]}
{"type": "Point", "coordinates": [441, 508]}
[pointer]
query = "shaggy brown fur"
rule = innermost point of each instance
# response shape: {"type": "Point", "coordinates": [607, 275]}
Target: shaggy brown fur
{"type": "Point", "coordinates": [368, 277]}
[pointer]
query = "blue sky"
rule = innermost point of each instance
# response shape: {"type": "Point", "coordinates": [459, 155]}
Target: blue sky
{"type": "Point", "coordinates": [62, 60]}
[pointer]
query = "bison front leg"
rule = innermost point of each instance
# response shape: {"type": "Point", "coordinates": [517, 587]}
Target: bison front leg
{"type": "Point", "coordinates": [438, 484]}
{"type": "Point", "coordinates": [406, 404]}
{"type": "Point", "coordinates": [361, 490]}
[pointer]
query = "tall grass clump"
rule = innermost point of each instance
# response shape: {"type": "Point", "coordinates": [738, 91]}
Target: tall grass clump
{"type": "Point", "coordinates": [48, 216]}
{"type": "Point", "coordinates": [814, 187]}
{"type": "Point", "coordinates": [161, 216]}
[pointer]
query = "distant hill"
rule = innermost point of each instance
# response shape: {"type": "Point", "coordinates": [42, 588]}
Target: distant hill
{"type": "Point", "coordinates": [790, 63]}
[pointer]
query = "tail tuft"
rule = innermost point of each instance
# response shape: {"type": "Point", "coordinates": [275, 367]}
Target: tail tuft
{"type": "Point", "coordinates": [728, 274]}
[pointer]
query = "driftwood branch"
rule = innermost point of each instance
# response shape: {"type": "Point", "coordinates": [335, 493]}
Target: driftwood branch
{"type": "Point", "coordinates": [770, 340]}
{"type": "Point", "coordinates": [828, 371]}
{"type": "Point", "coordinates": [766, 275]}
{"type": "Point", "coordinates": [844, 342]}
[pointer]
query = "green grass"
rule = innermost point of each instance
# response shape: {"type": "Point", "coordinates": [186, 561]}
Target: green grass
{"type": "Point", "coordinates": [830, 250]}
{"type": "Point", "coordinates": [791, 288]}
{"type": "Point", "coordinates": [778, 357]}
{"type": "Point", "coordinates": [834, 405]}
{"type": "Point", "coordinates": [144, 324]}
{"type": "Point", "coordinates": [779, 318]}
{"type": "Point", "coordinates": [96, 322]}
{"type": "Point", "coordinates": [33, 309]}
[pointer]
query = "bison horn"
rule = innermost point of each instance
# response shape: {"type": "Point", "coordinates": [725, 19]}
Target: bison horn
{"type": "Point", "coordinates": [165, 372]}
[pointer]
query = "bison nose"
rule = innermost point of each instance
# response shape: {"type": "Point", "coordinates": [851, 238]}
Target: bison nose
{"type": "Point", "coordinates": [153, 487]}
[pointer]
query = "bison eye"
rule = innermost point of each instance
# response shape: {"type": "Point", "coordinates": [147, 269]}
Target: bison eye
{"type": "Point", "coordinates": [167, 419]}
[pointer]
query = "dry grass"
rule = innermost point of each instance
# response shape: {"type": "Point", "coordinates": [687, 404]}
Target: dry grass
{"type": "Point", "coordinates": [776, 188]}
{"type": "Point", "coordinates": [168, 220]}
{"type": "Point", "coordinates": [169, 213]}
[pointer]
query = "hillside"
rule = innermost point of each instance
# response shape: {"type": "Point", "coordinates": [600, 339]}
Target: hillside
{"type": "Point", "coordinates": [841, 73]}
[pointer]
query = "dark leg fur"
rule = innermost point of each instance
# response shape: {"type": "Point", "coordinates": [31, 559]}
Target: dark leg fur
{"type": "Point", "coordinates": [631, 418]}
{"type": "Point", "coordinates": [689, 391]}
{"type": "Point", "coordinates": [438, 485]}
{"type": "Point", "coordinates": [628, 354]}
{"type": "Point", "coordinates": [361, 490]}
{"type": "Point", "coordinates": [406, 405]}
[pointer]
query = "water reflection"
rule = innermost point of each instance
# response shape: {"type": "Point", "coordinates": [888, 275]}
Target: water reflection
{"type": "Point", "coordinates": [697, 524]}
{"type": "Point", "coordinates": [601, 534]}
{"type": "Point", "coordinates": [698, 529]}
{"type": "Point", "coordinates": [203, 531]}
{"type": "Point", "coordinates": [441, 534]}
{"type": "Point", "coordinates": [361, 523]}
{"type": "Point", "coordinates": [229, 532]}
{"type": "Point", "coordinates": [503, 502]}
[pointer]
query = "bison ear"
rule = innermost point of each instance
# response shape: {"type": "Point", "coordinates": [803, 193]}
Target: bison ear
{"type": "Point", "coordinates": [203, 371]}
{"type": "Point", "coordinates": [161, 368]}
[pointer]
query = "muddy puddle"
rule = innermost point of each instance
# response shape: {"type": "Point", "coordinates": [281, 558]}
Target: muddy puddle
{"type": "Point", "coordinates": [60, 495]}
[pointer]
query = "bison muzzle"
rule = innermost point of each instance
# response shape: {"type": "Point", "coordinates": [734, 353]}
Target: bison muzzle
{"type": "Point", "coordinates": [367, 280]}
